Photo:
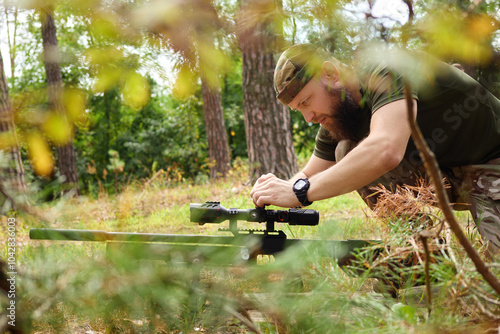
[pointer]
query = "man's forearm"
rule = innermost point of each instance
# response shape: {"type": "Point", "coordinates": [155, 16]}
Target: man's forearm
{"type": "Point", "coordinates": [297, 176]}
{"type": "Point", "coordinates": [361, 166]}
{"type": "Point", "coordinates": [380, 152]}
{"type": "Point", "coordinates": [314, 166]}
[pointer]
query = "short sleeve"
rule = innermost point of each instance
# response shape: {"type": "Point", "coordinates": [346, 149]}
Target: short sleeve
{"type": "Point", "coordinates": [383, 86]}
{"type": "Point", "coordinates": [325, 145]}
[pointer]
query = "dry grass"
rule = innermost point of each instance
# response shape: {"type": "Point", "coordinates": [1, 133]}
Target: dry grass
{"type": "Point", "coordinates": [417, 236]}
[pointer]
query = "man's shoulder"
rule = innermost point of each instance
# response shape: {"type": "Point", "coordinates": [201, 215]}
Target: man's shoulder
{"type": "Point", "coordinates": [413, 64]}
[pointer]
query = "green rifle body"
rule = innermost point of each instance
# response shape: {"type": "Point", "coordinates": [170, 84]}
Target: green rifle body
{"type": "Point", "coordinates": [240, 247]}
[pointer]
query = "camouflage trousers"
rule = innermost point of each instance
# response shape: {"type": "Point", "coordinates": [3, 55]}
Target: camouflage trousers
{"type": "Point", "coordinates": [473, 187]}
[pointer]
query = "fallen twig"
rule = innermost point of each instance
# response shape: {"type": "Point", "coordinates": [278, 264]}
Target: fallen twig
{"type": "Point", "coordinates": [245, 320]}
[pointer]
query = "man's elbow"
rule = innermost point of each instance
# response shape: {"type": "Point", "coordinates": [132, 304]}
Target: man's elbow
{"type": "Point", "coordinates": [390, 156]}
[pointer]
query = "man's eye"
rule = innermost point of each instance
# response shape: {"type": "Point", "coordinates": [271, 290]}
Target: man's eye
{"type": "Point", "coordinates": [305, 102]}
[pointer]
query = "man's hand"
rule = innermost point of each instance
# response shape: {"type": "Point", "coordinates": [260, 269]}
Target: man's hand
{"type": "Point", "coordinates": [269, 190]}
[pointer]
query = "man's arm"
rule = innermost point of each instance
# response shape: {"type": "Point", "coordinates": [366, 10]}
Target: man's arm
{"type": "Point", "coordinates": [379, 153]}
{"type": "Point", "coordinates": [314, 166]}
{"type": "Point", "coordinates": [282, 188]}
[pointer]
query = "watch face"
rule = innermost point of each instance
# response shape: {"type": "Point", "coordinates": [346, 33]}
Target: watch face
{"type": "Point", "coordinates": [300, 184]}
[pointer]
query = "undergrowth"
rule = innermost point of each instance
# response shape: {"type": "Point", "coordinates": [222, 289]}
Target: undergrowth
{"type": "Point", "coordinates": [76, 287]}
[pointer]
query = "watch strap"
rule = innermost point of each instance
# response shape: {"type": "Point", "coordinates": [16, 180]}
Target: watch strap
{"type": "Point", "coordinates": [302, 192]}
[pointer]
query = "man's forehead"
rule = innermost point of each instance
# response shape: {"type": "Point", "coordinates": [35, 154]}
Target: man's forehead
{"type": "Point", "coordinates": [294, 104]}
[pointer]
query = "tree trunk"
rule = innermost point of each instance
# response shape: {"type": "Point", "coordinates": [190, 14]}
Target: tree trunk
{"type": "Point", "coordinates": [206, 30]}
{"type": "Point", "coordinates": [11, 38]}
{"type": "Point", "coordinates": [216, 131]}
{"type": "Point", "coordinates": [267, 122]}
{"type": "Point", "coordinates": [66, 160]}
{"type": "Point", "coordinates": [12, 181]}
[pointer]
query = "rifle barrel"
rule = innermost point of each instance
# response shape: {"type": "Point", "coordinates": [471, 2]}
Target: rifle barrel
{"type": "Point", "coordinates": [261, 244]}
{"type": "Point", "coordinates": [103, 236]}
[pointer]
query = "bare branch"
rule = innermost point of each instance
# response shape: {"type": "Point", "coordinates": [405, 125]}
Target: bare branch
{"type": "Point", "coordinates": [434, 172]}
{"type": "Point", "coordinates": [411, 13]}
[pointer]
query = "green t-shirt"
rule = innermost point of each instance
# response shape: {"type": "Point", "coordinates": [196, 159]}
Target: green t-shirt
{"type": "Point", "coordinates": [458, 117]}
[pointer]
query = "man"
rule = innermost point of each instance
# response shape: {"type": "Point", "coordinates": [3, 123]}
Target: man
{"type": "Point", "coordinates": [364, 137]}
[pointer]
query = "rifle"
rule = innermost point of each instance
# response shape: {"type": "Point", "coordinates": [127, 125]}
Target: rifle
{"type": "Point", "coordinates": [244, 246]}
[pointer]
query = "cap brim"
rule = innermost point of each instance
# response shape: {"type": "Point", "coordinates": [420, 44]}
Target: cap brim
{"type": "Point", "coordinates": [292, 89]}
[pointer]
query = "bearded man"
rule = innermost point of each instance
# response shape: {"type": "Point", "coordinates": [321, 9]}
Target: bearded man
{"type": "Point", "coordinates": [364, 138]}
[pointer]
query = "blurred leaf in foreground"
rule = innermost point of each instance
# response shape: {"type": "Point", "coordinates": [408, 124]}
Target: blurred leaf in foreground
{"type": "Point", "coordinates": [57, 129]}
{"type": "Point", "coordinates": [185, 84]}
{"type": "Point", "coordinates": [464, 37]}
{"type": "Point", "coordinates": [135, 90]}
{"type": "Point", "coordinates": [75, 102]}
{"type": "Point", "coordinates": [40, 154]}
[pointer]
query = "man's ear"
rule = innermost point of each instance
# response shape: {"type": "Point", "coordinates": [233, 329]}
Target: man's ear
{"type": "Point", "coordinates": [329, 72]}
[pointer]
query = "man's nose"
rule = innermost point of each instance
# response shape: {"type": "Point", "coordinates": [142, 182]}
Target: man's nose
{"type": "Point", "coordinates": [308, 116]}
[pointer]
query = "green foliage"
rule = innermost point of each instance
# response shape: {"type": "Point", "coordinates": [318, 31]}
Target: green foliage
{"type": "Point", "coordinates": [163, 134]}
{"type": "Point", "coordinates": [105, 54]}
{"type": "Point", "coordinates": [166, 134]}
{"type": "Point", "coordinates": [232, 102]}
{"type": "Point", "coordinates": [116, 294]}
{"type": "Point", "coordinates": [304, 135]}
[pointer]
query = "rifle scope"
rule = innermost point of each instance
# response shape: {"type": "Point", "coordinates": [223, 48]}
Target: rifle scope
{"type": "Point", "coordinates": [213, 212]}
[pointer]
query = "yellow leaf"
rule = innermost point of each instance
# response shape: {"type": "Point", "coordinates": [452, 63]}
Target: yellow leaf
{"type": "Point", "coordinates": [481, 27]}
{"type": "Point", "coordinates": [452, 35]}
{"type": "Point", "coordinates": [184, 86]}
{"type": "Point", "coordinates": [104, 56]}
{"type": "Point", "coordinates": [57, 129]}
{"type": "Point", "coordinates": [136, 90]}
{"type": "Point", "coordinates": [107, 78]}
{"type": "Point", "coordinates": [74, 102]}
{"type": "Point", "coordinates": [40, 154]}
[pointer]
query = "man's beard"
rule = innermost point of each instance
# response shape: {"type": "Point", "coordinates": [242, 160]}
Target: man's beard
{"type": "Point", "coordinates": [347, 119]}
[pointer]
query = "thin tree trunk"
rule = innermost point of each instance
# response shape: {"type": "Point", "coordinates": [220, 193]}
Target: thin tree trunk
{"type": "Point", "coordinates": [11, 38]}
{"type": "Point", "coordinates": [66, 160]}
{"type": "Point", "coordinates": [206, 31]}
{"type": "Point", "coordinates": [267, 122]}
{"type": "Point", "coordinates": [216, 131]}
{"type": "Point", "coordinates": [12, 178]}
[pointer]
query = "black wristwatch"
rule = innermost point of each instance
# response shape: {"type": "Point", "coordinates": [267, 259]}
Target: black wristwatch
{"type": "Point", "coordinates": [300, 188]}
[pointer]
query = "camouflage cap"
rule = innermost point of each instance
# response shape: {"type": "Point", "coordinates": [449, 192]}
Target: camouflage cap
{"type": "Point", "coordinates": [294, 69]}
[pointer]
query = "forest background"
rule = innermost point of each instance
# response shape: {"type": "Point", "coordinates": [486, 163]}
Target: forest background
{"type": "Point", "coordinates": [100, 96]}
{"type": "Point", "coordinates": [103, 94]}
